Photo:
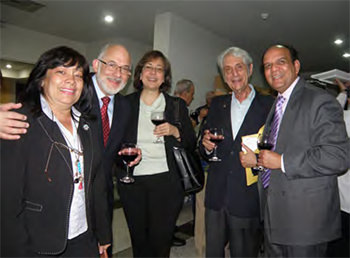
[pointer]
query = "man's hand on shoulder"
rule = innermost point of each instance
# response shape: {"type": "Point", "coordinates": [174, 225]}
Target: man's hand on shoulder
{"type": "Point", "coordinates": [12, 124]}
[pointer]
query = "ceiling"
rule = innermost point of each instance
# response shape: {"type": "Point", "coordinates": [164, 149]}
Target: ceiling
{"type": "Point", "coordinates": [310, 26]}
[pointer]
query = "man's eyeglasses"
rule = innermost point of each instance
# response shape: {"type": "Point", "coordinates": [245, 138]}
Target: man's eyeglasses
{"type": "Point", "coordinates": [111, 66]}
{"type": "Point", "coordinates": [149, 68]}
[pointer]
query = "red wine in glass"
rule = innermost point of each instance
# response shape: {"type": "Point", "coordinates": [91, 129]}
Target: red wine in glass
{"type": "Point", "coordinates": [158, 118]}
{"type": "Point", "coordinates": [216, 137]}
{"type": "Point", "coordinates": [128, 157]}
{"type": "Point", "coordinates": [158, 122]}
{"type": "Point", "coordinates": [129, 153]}
{"type": "Point", "coordinates": [216, 140]}
{"type": "Point", "coordinates": [265, 146]}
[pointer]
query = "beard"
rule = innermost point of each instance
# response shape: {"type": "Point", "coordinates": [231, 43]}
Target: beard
{"type": "Point", "coordinates": [110, 90]}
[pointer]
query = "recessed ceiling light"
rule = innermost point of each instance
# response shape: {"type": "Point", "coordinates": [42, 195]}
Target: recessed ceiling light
{"type": "Point", "coordinates": [8, 66]}
{"type": "Point", "coordinates": [264, 16]}
{"type": "Point", "coordinates": [346, 55]}
{"type": "Point", "coordinates": [338, 42]}
{"type": "Point", "coordinates": [109, 19]}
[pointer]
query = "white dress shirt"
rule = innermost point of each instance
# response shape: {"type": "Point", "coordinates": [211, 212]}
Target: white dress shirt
{"type": "Point", "coordinates": [77, 216]}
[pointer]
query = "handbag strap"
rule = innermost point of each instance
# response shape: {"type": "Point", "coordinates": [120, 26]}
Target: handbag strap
{"type": "Point", "coordinates": [177, 112]}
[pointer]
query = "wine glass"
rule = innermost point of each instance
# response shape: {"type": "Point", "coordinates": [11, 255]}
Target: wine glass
{"type": "Point", "coordinates": [158, 118]}
{"type": "Point", "coordinates": [217, 137]}
{"type": "Point", "coordinates": [264, 143]}
{"type": "Point", "coordinates": [129, 153]}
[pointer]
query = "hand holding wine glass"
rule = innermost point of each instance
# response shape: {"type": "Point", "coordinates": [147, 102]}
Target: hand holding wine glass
{"type": "Point", "coordinates": [129, 153]}
{"type": "Point", "coordinates": [216, 136]}
{"type": "Point", "coordinates": [264, 143]}
{"type": "Point", "coordinates": [158, 118]}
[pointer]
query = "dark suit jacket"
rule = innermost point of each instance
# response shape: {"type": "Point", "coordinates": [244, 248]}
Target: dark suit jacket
{"type": "Point", "coordinates": [303, 203]}
{"type": "Point", "coordinates": [121, 114]}
{"type": "Point", "coordinates": [226, 185]}
{"type": "Point", "coordinates": [35, 211]}
{"type": "Point", "coordinates": [188, 138]}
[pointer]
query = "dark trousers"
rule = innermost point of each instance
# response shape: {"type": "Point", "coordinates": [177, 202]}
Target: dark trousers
{"type": "Point", "coordinates": [151, 205]}
{"type": "Point", "coordinates": [341, 247]}
{"type": "Point", "coordinates": [244, 235]}
{"type": "Point", "coordinates": [84, 245]}
{"type": "Point", "coordinates": [312, 251]}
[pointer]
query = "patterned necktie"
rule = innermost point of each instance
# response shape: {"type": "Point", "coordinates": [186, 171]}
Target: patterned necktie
{"type": "Point", "coordinates": [105, 120]}
{"type": "Point", "coordinates": [265, 176]}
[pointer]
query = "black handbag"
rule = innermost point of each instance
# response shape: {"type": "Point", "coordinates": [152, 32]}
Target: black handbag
{"type": "Point", "coordinates": [189, 165]}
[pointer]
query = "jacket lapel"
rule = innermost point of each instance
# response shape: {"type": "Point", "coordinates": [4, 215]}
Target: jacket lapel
{"type": "Point", "coordinates": [54, 134]}
{"type": "Point", "coordinates": [84, 132]}
{"type": "Point", "coordinates": [288, 115]}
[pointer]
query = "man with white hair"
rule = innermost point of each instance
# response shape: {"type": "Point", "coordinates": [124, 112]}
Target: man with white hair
{"type": "Point", "coordinates": [232, 213]}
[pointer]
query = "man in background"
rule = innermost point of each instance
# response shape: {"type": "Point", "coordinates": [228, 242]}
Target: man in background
{"type": "Point", "coordinates": [185, 89]}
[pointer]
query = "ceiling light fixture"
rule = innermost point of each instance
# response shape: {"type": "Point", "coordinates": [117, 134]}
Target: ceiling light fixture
{"type": "Point", "coordinates": [109, 19]}
{"type": "Point", "coordinates": [346, 55]}
{"type": "Point", "coordinates": [8, 66]}
{"type": "Point", "coordinates": [338, 42]}
{"type": "Point", "coordinates": [264, 16]}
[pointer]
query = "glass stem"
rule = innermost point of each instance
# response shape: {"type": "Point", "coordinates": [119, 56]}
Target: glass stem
{"type": "Point", "coordinates": [127, 170]}
{"type": "Point", "coordinates": [215, 151]}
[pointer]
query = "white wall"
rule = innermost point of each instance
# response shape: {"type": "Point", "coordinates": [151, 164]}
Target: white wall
{"type": "Point", "coordinates": [15, 74]}
{"type": "Point", "coordinates": [191, 50]}
{"type": "Point", "coordinates": [25, 45]}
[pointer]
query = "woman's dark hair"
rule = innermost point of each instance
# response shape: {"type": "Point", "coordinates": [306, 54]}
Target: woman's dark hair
{"type": "Point", "coordinates": [59, 56]}
{"type": "Point", "coordinates": [149, 56]}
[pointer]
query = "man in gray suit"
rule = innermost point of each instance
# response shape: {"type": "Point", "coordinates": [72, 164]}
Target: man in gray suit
{"type": "Point", "coordinates": [311, 147]}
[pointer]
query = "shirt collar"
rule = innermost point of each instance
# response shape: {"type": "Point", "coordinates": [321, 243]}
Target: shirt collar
{"type": "Point", "coordinates": [99, 93]}
{"type": "Point", "coordinates": [286, 94]}
{"type": "Point", "coordinates": [45, 107]}
{"type": "Point", "coordinates": [250, 96]}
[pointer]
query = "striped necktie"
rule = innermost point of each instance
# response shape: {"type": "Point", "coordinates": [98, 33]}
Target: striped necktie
{"type": "Point", "coordinates": [265, 176]}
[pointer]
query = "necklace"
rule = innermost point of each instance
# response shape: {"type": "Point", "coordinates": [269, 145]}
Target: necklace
{"type": "Point", "coordinates": [78, 176]}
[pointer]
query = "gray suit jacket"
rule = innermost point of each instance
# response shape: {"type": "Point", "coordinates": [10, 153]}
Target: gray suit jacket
{"type": "Point", "coordinates": [302, 204]}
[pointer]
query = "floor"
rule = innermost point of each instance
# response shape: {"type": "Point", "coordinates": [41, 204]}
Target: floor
{"type": "Point", "coordinates": [185, 223]}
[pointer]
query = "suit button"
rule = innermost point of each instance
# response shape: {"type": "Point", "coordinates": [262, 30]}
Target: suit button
{"type": "Point", "coordinates": [231, 152]}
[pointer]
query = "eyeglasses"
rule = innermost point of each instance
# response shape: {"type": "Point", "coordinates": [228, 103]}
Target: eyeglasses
{"type": "Point", "coordinates": [149, 68]}
{"type": "Point", "coordinates": [111, 66]}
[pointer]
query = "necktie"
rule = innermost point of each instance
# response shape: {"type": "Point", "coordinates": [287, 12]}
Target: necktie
{"type": "Point", "coordinates": [265, 176]}
{"type": "Point", "coordinates": [105, 120]}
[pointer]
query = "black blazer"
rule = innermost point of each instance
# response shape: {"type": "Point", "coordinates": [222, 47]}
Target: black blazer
{"type": "Point", "coordinates": [35, 206]}
{"type": "Point", "coordinates": [121, 114]}
{"type": "Point", "coordinates": [226, 185]}
{"type": "Point", "coordinates": [188, 138]}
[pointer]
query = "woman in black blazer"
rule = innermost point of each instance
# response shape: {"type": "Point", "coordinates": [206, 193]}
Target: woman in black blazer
{"type": "Point", "coordinates": [152, 204]}
{"type": "Point", "coordinates": [53, 196]}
